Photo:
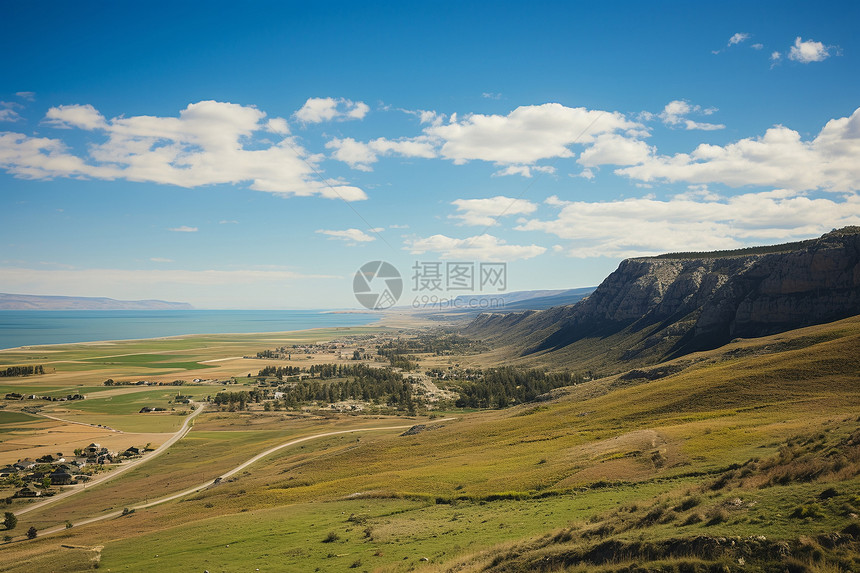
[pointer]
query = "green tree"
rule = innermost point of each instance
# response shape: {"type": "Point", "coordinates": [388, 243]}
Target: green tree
{"type": "Point", "coordinates": [31, 533]}
{"type": "Point", "coordinates": [10, 521]}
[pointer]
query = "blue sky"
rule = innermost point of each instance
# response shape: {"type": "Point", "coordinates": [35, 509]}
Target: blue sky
{"type": "Point", "coordinates": [255, 155]}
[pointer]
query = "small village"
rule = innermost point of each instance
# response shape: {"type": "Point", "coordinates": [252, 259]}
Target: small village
{"type": "Point", "coordinates": [32, 478]}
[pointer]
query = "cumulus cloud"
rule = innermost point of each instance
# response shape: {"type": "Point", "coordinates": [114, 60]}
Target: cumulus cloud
{"type": "Point", "coordinates": [614, 149]}
{"type": "Point", "coordinates": [484, 212]}
{"type": "Point", "coordinates": [780, 158]}
{"type": "Point", "coordinates": [360, 155]}
{"type": "Point", "coordinates": [808, 51]}
{"type": "Point", "coordinates": [515, 142]}
{"type": "Point", "coordinates": [319, 109]}
{"type": "Point", "coordinates": [183, 229]}
{"type": "Point", "coordinates": [79, 116]}
{"type": "Point", "coordinates": [526, 135]}
{"type": "Point", "coordinates": [351, 236]}
{"type": "Point", "coordinates": [209, 143]}
{"type": "Point", "coordinates": [478, 248]}
{"type": "Point", "coordinates": [692, 222]}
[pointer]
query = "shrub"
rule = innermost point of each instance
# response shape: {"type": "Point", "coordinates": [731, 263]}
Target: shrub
{"type": "Point", "coordinates": [331, 537]}
{"type": "Point", "coordinates": [693, 518]}
{"type": "Point", "coordinates": [688, 503]}
{"type": "Point", "coordinates": [716, 515]}
{"type": "Point", "coordinates": [31, 533]}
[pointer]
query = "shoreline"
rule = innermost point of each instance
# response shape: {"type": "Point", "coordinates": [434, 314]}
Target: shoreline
{"type": "Point", "coordinates": [385, 320]}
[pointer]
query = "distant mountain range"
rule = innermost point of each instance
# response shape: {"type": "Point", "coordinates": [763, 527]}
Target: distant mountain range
{"type": "Point", "coordinates": [38, 302]}
{"type": "Point", "coordinates": [654, 308]}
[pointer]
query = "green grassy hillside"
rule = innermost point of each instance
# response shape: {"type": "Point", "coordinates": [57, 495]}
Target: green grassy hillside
{"type": "Point", "coordinates": [742, 458]}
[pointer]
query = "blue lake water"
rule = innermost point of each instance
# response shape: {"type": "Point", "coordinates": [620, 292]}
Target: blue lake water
{"type": "Point", "coordinates": [32, 327]}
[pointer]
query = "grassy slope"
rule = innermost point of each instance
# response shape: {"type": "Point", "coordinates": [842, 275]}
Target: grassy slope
{"type": "Point", "coordinates": [507, 489]}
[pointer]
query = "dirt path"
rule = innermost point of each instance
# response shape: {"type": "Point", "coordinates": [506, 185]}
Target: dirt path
{"type": "Point", "coordinates": [186, 427]}
{"type": "Point", "coordinates": [232, 472]}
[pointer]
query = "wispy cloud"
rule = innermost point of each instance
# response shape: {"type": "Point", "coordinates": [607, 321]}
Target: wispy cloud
{"type": "Point", "coordinates": [7, 111]}
{"type": "Point", "coordinates": [675, 112]}
{"type": "Point", "coordinates": [738, 38]}
{"type": "Point", "coordinates": [183, 229]}
{"type": "Point", "coordinates": [484, 212]}
{"type": "Point", "coordinates": [477, 248]}
{"type": "Point", "coordinates": [161, 260]}
{"type": "Point", "coordinates": [319, 109]}
{"type": "Point", "coordinates": [351, 236]}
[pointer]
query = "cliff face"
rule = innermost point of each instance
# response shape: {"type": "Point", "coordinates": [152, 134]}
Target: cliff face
{"type": "Point", "coordinates": [691, 303]}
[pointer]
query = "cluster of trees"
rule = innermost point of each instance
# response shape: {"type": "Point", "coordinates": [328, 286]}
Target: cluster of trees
{"type": "Point", "coordinates": [379, 385]}
{"type": "Point", "coordinates": [237, 400]}
{"type": "Point", "coordinates": [23, 370]}
{"type": "Point", "coordinates": [503, 387]}
{"type": "Point", "coordinates": [438, 344]}
{"type": "Point", "coordinates": [279, 371]}
{"type": "Point", "coordinates": [112, 382]}
{"type": "Point", "coordinates": [276, 353]}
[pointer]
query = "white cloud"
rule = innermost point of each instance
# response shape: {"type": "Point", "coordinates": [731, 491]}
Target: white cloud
{"type": "Point", "coordinates": [690, 125]}
{"type": "Point", "coordinates": [808, 51]}
{"type": "Point", "coordinates": [484, 212]}
{"type": "Point", "coordinates": [80, 116]}
{"type": "Point", "coordinates": [523, 170]}
{"type": "Point", "coordinates": [693, 222]}
{"type": "Point", "coordinates": [780, 158]}
{"type": "Point", "coordinates": [29, 96]}
{"type": "Point", "coordinates": [161, 260]}
{"type": "Point", "coordinates": [757, 46]}
{"type": "Point", "coordinates": [491, 95]}
{"type": "Point", "coordinates": [359, 155]}
{"type": "Point", "coordinates": [209, 143]}
{"type": "Point", "coordinates": [183, 229]}
{"type": "Point", "coordinates": [352, 236]}
{"type": "Point", "coordinates": [775, 56]}
{"type": "Point", "coordinates": [478, 248]}
{"type": "Point", "coordinates": [738, 38]}
{"type": "Point", "coordinates": [524, 136]}
{"type": "Point", "coordinates": [614, 149]}
{"type": "Point", "coordinates": [278, 125]}
{"type": "Point", "coordinates": [7, 111]}
{"type": "Point", "coordinates": [319, 109]}
{"type": "Point", "coordinates": [675, 112]}
{"type": "Point", "coordinates": [228, 222]}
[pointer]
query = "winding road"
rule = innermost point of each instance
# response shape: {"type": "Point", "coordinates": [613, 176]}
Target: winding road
{"type": "Point", "coordinates": [226, 475]}
{"type": "Point", "coordinates": [118, 471]}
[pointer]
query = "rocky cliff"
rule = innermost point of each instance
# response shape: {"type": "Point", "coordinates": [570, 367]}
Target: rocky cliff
{"type": "Point", "coordinates": [694, 301]}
